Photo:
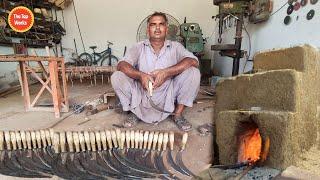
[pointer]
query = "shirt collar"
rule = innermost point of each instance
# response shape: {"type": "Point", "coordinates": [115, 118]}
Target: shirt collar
{"type": "Point", "coordinates": [167, 43]}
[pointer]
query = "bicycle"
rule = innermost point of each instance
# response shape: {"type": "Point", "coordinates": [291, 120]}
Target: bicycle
{"type": "Point", "coordinates": [76, 61]}
{"type": "Point", "coordinates": [105, 57]}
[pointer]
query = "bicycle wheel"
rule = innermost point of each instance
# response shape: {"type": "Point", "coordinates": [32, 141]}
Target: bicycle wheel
{"type": "Point", "coordinates": [86, 59]}
{"type": "Point", "coordinates": [105, 61]}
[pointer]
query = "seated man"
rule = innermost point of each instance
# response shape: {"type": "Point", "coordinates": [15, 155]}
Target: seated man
{"type": "Point", "coordinates": [169, 66]}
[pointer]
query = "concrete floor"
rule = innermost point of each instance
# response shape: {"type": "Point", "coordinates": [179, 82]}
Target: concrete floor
{"type": "Point", "coordinates": [198, 153]}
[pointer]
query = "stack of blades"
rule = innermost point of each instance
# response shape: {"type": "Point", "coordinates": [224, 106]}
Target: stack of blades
{"type": "Point", "coordinates": [91, 154]}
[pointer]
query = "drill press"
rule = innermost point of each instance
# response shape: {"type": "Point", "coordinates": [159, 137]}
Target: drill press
{"type": "Point", "coordinates": [235, 11]}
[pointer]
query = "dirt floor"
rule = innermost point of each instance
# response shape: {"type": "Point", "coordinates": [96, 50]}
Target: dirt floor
{"type": "Point", "coordinates": [198, 152]}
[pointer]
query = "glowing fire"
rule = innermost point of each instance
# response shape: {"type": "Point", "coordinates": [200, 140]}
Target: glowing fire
{"type": "Point", "coordinates": [250, 143]}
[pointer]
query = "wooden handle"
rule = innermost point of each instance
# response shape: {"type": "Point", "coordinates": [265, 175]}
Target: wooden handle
{"type": "Point", "coordinates": [122, 139]}
{"type": "Point", "coordinates": [128, 137]}
{"type": "Point", "coordinates": [76, 141]}
{"type": "Point", "coordinates": [7, 139]}
{"type": "Point", "coordinates": [118, 133]}
{"type": "Point", "coordinates": [18, 138]}
{"type": "Point", "coordinates": [81, 141]}
{"type": "Point", "coordinates": [38, 138]}
{"type": "Point", "coordinates": [184, 141]}
{"type": "Point", "coordinates": [43, 138]}
{"type": "Point", "coordinates": [33, 139]}
{"type": "Point", "coordinates": [28, 139]}
{"type": "Point", "coordinates": [93, 141]}
{"type": "Point", "coordinates": [103, 140]}
{"type": "Point", "coordinates": [48, 137]}
{"type": "Point", "coordinates": [141, 140]}
{"type": "Point", "coordinates": [70, 141]}
{"type": "Point", "coordinates": [98, 140]}
{"type": "Point", "coordinates": [62, 141]}
{"type": "Point", "coordinates": [51, 133]}
{"type": "Point", "coordinates": [136, 139]}
{"type": "Point", "coordinates": [150, 88]}
{"type": "Point", "coordinates": [171, 140]}
{"type": "Point", "coordinates": [23, 139]}
{"type": "Point", "coordinates": [56, 142]}
{"type": "Point", "coordinates": [13, 140]}
{"type": "Point", "coordinates": [114, 138]}
{"type": "Point", "coordinates": [160, 139]}
{"type": "Point", "coordinates": [150, 139]}
{"type": "Point", "coordinates": [108, 134]}
{"type": "Point", "coordinates": [87, 140]}
{"type": "Point", "coordinates": [165, 141]}
{"type": "Point", "coordinates": [132, 139]}
{"type": "Point", "coordinates": [1, 141]}
{"type": "Point", "coordinates": [145, 139]}
{"type": "Point", "coordinates": [155, 140]}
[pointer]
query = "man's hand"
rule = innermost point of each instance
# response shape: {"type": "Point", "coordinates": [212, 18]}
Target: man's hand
{"type": "Point", "coordinates": [144, 79]}
{"type": "Point", "coordinates": [160, 76]}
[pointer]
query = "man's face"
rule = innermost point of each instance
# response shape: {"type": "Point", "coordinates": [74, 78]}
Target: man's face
{"type": "Point", "coordinates": [157, 28]}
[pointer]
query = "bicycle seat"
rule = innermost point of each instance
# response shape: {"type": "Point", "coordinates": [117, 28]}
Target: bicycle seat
{"type": "Point", "coordinates": [110, 43]}
{"type": "Point", "coordinates": [93, 47]}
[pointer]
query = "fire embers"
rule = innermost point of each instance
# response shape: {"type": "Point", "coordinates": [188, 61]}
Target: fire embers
{"type": "Point", "coordinates": [250, 144]}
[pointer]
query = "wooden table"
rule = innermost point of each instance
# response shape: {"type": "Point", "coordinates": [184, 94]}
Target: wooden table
{"type": "Point", "coordinates": [50, 82]}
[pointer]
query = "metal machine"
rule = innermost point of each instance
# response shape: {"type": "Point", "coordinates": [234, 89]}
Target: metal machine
{"type": "Point", "coordinates": [232, 13]}
{"type": "Point", "coordinates": [192, 37]}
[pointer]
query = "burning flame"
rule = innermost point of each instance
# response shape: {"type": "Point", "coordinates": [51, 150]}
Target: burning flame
{"type": "Point", "coordinates": [250, 143]}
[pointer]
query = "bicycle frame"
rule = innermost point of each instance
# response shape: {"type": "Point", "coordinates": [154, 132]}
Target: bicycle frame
{"type": "Point", "coordinates": [101, 54]}
{"type": "Point", "coordinates": [99, 57]}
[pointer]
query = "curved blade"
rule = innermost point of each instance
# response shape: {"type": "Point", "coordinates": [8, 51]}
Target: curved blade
{"type": "Point", "coordinates": [76, 169]}
{"type": "Point", "coordinates": [181, 164]}
{"type": "Point", "coordinates": [10, 166]}
{"type": "Point", "coordinates": [46, 159]}
{"type": "Point", "coordinates": [133, 164]}
{"type": "Point", "coordinates": [160, 164]}
{"type": "Point", "coordinates": [26, 160]}
{"type": "Point", "coordinates": [134, 167]}
{"type": "Point", "coordinates": [104, 162]}
{"type": "Point", "coordinates": [174, 165]}
{"type": "Point", "coordinates": [4, 169]}
{"type": "Point", "coordinates": [125, 171]}
{"type": "Point", "coordinates": [148, 160]}
{"type": "Point", "coordinates": [89, 163]}
{"type": "Point", "coordinates": [37, 159]}
{"type": "Point", "coordinates": [59, 166]}
{"type": "Point", "coordinates": [158, 108]}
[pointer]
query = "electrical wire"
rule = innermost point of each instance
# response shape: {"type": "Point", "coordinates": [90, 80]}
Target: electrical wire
{"type": "Point", "coordinates": [278, 9]}
{"type": "Point", "coordinates": [249, 53]}
{"type": "Point", "coordinates": [64, 24]}
{"type": "Point", "coordinates": [75, 13]}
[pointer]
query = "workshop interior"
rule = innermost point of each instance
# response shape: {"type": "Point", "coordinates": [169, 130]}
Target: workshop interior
{"type": "Point", "coordinates": [256, 114]}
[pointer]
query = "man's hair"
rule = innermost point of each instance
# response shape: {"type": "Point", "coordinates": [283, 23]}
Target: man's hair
{"type": "Point", "coordinates": [158, 14]}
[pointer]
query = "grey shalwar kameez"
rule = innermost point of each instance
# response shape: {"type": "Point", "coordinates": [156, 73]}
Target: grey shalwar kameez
{"type": "Point", "coordinates": [181, 89]}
